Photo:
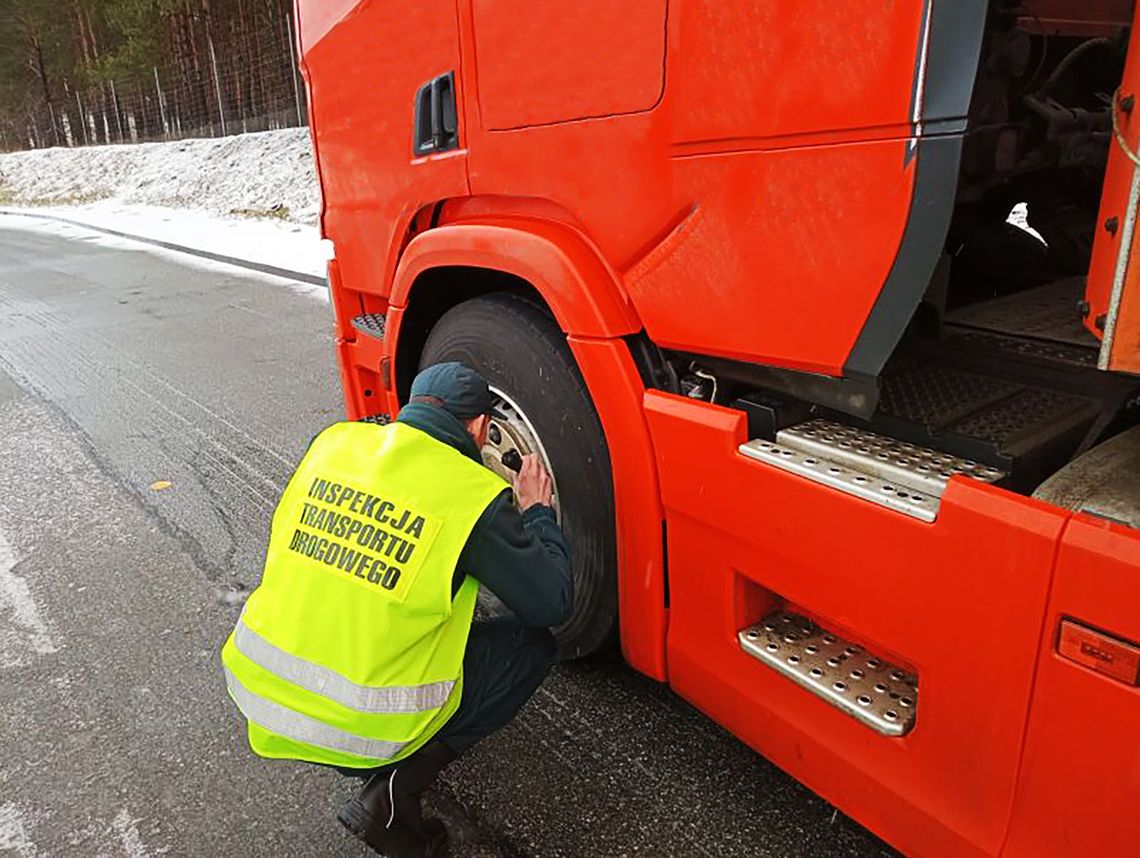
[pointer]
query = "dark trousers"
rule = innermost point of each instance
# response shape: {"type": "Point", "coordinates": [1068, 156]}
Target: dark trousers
{"type": "Point", "coordinates": [503, 665]}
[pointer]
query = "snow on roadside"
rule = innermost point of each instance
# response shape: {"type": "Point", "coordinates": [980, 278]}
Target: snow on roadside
{"type": "Point", "coordinates": [252, 197]}
{"type": "Point", "coordinates": [289, 246]}
{"type": "Point", "coordinates": [270, 171]}
{"type": "Point", "coordinates": [292, 246]}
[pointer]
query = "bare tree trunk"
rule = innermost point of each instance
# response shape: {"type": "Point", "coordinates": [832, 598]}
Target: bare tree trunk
{"type": "Point", "coordinates": [294, 71]}
{"type": "Point", "coordinates": [242, 83]}
{"type": "Point", "coordinates": [82, 118]}
{"type": "Point", "coordinates": [94, 52]}
{"type": "Point", "coordinates": [217, 77]}
{"type": "Point", "coordinates": [118, 112]}
{"type": "Point", "coordinates": [86, 46]}
{"type": "Point", "coordinates": [40, 68]}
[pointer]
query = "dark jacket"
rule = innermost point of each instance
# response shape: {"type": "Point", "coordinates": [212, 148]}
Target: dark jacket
{"type": "Point", "coordinates": [521, 558]}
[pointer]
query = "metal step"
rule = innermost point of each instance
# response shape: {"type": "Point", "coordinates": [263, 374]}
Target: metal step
{"type": "Point", "coordinates": [1020, 414]}
{"type": "Point", "coordinates": [868, 688]}
{"type": "Point", "coordinates": [371, 324]}
{"type": "Point", "coordinates": [829, 473]}
{"type": "Point", "coordinates": [919, 468]}
{"type": "Point", "coordinates": [378, 419]}
{"type": "Point", "coordinates": [1049, 312]}
{"type": "Point", "coordinates": [899, 476]}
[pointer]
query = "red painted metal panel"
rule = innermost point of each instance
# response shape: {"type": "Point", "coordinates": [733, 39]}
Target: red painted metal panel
{"type": "Point", "coordinates": [362, 120]}
{"type": "Point", "coordinates": [317, 19]}
{"type": "Point", "coordinates": [553, 62]}
{"type": "Point", "coordinates": [1080, 781]}
{"type": "Point", "coordinates": [798, 184]}
{"type": "Point", "coordinates": [785, 254]}
{"type": "Point", "coordinates": [961, 601]}
{"type": "Point", "coordinates": [617, 390]}
{"type": "Point", "coordinates": [733, 63]}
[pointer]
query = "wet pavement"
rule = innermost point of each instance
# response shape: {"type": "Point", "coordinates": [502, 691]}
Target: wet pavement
{"type": "Point", "coordinates": [150, 409]}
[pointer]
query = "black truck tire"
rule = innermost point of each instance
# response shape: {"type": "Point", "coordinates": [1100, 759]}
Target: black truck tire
{"type": "Point", "coordinates": [521, 351]}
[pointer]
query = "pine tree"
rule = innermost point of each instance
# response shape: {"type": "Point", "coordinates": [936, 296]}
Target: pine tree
{"type": "Point", "coordinates": [98, 71]}
{"type": "Point", "coordinates": [32, 52]}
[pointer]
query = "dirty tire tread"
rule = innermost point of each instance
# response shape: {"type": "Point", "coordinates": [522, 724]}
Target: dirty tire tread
{"type": "Point", "coordinates": [521, 350]}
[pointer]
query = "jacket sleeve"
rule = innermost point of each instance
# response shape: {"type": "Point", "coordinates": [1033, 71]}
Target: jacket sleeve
{"type": "Point", "coordinates": [524, 560]}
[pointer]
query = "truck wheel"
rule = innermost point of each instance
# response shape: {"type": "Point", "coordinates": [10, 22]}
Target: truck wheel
{"type": "Point", "coordinates": [543, 407]}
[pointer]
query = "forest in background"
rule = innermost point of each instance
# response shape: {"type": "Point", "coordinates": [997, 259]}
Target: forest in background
{"type": "Point", "coordinates": [84, 72]}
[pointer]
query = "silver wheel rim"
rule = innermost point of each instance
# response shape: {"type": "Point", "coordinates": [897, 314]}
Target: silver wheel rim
{"type": "Point", "coordinates": [511, 430]}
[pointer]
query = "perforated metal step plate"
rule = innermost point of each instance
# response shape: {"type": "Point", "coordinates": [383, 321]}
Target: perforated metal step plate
{"type": "Point", "coordinates": [918, 468]}
{"type": "Point", "coordinates": [378, 419]}
{"type": "Point", "coordinates": [371, 324]}
{"type": "Point", "coordinates": [868, 688]}
{"type": "Point", "coordinates": [891, 495]}
{"type": "Point", "coordinates": [1017, 347]}
{"type": "Point", "coordinates": [1047, 312]}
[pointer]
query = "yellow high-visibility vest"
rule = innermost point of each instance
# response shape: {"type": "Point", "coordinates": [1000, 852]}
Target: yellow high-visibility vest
{"type": "Point", "coordinates": [350, 651]}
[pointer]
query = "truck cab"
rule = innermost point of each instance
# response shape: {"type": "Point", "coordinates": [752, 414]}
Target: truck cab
{"type": "Point", "coordinates": [825, 318]}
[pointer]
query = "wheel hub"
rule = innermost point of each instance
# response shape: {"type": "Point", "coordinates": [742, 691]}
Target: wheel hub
{"type": "Point", "coordinates": [510, 437]}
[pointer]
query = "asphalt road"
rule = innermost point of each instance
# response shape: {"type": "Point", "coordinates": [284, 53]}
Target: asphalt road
{"type": "Point", "coordinates": [123, 369]}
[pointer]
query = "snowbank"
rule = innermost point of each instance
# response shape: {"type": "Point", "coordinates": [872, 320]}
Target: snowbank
{"type": "Point", "coordinates": [292, 247]}
{"type": "Point", "coordinates": [252, 197]}
{"type": "Point", "coordinates": [250, 173]}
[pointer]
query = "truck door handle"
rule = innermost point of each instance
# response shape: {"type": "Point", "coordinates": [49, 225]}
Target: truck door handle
{"type": "Point", "coordinates": [436, 121]}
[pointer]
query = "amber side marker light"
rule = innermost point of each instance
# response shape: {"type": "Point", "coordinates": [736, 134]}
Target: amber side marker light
{"type": "Point", "coordinates": [1097, 651]}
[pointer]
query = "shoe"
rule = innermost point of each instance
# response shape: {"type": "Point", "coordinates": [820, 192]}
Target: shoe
{"type": "Point", "coordinates": [387, 814]}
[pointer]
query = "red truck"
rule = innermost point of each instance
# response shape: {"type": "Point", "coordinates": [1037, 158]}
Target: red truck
{"type": "Point", "coordinates": [826, 318]}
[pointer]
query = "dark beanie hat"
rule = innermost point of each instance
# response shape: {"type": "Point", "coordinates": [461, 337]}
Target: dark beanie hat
{"type": "Point", "coordinates": [463, 392]}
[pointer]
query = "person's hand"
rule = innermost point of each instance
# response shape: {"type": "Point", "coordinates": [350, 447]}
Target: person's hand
{"type": "Point", "coordinates": [533, 484]}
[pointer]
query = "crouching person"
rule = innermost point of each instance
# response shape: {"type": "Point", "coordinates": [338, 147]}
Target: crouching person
{"type": "Point", "coordinates": [358, 649]}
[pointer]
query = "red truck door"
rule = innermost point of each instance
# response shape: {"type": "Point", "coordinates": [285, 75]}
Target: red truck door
{"type": "Point", "coordinates": [562, 102]}
{"type": "Point", "coordinates": [365, 63]}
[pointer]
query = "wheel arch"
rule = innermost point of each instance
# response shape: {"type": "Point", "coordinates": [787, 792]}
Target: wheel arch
{"type": "Point", "coordinates": [433, 292]}
{"type": "Point", "coordinates": [555, 266]}
{"type": "Point", "coordinates": [555, 261]}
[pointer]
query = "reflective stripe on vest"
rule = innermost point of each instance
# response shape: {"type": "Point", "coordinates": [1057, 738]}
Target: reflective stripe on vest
{"type": "Point", "coordinates": [301, 728]}
{"type": "Point", "coordinates": [328, 683]}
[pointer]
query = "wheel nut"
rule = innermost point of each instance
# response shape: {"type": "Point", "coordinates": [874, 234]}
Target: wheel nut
{"type": "Point", "coordinates": [512, 459]}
